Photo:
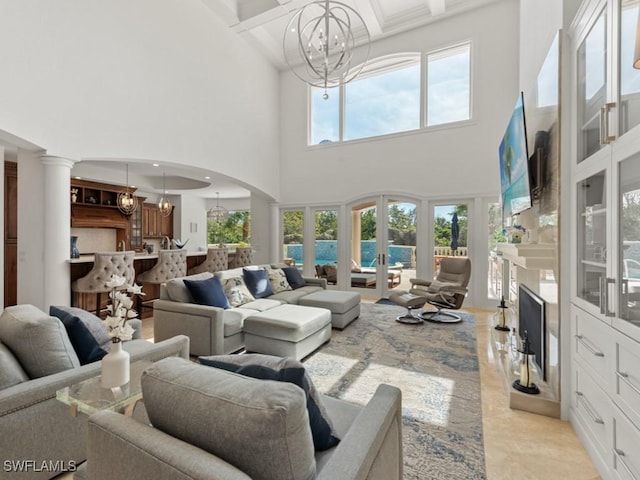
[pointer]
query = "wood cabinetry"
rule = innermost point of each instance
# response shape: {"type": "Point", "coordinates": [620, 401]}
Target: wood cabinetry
{"type": "Point", "coordinates": [95, 205]}
{"type": "Point", "coordinates": [155, 225]}
{"type": "Point", "coordinates": [10, 233]}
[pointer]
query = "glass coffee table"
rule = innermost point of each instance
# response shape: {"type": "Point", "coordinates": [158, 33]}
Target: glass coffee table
{"type": "Point", "coordinates": [89, 396]}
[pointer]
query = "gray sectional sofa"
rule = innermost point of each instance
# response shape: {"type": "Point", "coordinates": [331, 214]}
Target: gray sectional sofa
{"type": "Point", "coordinates": [36, 360]}
{"type": "Point", "coordinates": [262, 323]}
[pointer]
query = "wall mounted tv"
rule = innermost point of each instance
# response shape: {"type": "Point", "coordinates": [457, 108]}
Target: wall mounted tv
{"type": "Point", "coordinates": [514, 164]}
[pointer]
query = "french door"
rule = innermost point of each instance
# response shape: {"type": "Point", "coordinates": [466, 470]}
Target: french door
{"type": "Point", "coordinates": [383, 245]}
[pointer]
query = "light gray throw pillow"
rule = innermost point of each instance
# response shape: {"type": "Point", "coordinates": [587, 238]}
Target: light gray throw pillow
{"type": "Point", "coordinates": [259, 426]}
{"type": "Point", "coordinates": [11, 373]}
{"type": "Point", "coordinates": [38, 341]}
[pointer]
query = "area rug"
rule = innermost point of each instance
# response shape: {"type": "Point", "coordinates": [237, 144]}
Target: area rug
{"type": "Point", "coordinates": [435, 366]}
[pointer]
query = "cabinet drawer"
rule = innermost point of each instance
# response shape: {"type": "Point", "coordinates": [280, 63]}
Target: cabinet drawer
{"type": "Point", "coordinates": [592, 408]}
{"type": "Point", "coordinates": [626, 447]}
{"type": "Point", "coordinates": [627, 376]}
{"type": "Point", "coordinates": [593, 344]}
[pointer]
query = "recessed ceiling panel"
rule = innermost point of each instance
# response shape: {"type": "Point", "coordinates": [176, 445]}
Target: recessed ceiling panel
{"type": "Point", "coordinates": [251, 8]}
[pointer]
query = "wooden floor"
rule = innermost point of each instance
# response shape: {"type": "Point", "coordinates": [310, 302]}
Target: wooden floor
{"type": "Point", "coordinates": [518, 445]}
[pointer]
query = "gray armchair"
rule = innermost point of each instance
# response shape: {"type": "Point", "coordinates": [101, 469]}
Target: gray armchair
{"type": "Point", "coordinates": [35, 425]}
{"type": "Point", "coordinates": [180, 446]}
{"type": "Point", "coordinates": [447, 291]}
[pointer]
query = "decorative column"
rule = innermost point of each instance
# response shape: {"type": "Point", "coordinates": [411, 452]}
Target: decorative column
{"type": "Point", "coordinates": [57, 231]}
{"type": "Point", "coordinates": [276, 250]}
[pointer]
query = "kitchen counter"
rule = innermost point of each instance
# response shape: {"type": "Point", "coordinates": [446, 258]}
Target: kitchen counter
{"type": "Point", "coordinates": [139, 256]}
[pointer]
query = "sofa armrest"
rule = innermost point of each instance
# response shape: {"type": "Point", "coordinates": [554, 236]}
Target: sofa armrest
{"type": "Point", "coordinates": [318, 282]}
{"type": "Point", "coordinates": [372, 447]}
{"type": "Point", "coordinates": [38, 390]}
{"type": "Point", "coordinates": [203, 324]}
{"type": "Point", "coordinates": [121, 447]}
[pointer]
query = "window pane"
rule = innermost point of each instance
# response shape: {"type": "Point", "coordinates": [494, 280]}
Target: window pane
{"type": "Point", "coordinates": [326, 244]}
{"type": "Point", "coordinates": [235, 228]}
{"type": "Point", "coordinates": [325, 116]}
{"type": "Point", "coordinates": [448, 85]}
{"type": "Point", "coordinates": [292, 243]}
{"type": "Point", "coordinates": [382, 104]}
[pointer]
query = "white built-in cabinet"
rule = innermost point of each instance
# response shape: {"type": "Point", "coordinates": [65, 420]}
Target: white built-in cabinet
{"type": "Point", "coordinates": [605, 298]}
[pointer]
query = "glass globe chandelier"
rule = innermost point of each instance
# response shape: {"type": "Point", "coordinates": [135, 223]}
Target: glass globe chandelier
{"type": "Point", "coordinates": [319, 44]}
{"type": "Point", "coordinates": [218, 213]}
{"type": "Point", "coordinates": [164, 204]}
{"type": "Point", "coordinates": [127, 201]}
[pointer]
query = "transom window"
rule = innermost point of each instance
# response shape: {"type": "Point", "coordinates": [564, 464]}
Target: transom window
{"type": "Point", "coordinates": [386, 97]}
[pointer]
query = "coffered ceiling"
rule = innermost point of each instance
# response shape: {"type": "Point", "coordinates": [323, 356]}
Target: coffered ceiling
{"type": "Point", "coordinates": [264, 21]}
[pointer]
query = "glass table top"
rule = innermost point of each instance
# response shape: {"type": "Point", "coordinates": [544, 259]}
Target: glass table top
{"type": "Point", "coordinates": [90, 397]}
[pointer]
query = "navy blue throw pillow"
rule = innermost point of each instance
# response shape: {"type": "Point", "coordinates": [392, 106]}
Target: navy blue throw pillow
{"type": "Point", "coordinates": [294, 277]}
{"type": "Point", "coordinates": [85, 336]}
{"type": "Point", "coordinates": [208, 292]}
{"type": "Point", "coordinates": [267, 367]}
{"type": "Point", "coordinates": [258, 282]}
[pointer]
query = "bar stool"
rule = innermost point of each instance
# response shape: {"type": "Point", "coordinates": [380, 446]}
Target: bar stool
{"type": "Point", "coordinates": [170, 264]}
{"type": "Point", "coordinates": [243, 257]}
{"type": "Point", "coordinates": [105, 265]}
{"type": "Point", "coordinates": [217, 259]}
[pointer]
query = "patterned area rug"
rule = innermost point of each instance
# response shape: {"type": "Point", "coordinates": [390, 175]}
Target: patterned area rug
{"type": "Point", "coordinates": [435, 366]}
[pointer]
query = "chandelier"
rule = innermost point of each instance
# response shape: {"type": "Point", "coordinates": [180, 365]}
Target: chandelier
{"type": "Point", "coordinates": [127, 202]}
{"type": "Point", "coordinates": [218, 213]}
{"type": "Point", "coordinates": [164, 204]}
{"type": "Point", "coordinates": [319, 44]}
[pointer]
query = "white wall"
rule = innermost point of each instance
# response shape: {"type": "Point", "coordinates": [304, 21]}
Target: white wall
{"type": "Point", "coordinates": [261, 227]}
{"type": "Point", "coordinates": [443, 162]}
{"type": "Point", "coordinates": [190, 221]}
{"type": "Point", "coordinates": [152, 79]}
{"type": "Point", "coordinates": [436, 165]}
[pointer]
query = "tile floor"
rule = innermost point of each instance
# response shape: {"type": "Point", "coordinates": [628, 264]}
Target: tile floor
{"type": "Point", "coordinates": [518, 445]}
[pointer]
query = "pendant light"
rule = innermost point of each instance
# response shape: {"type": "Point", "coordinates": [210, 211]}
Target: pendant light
{"type": "Point", "coordinates": [164, 204]}
{"type": "Point", "coordinates": [218, 213]}
{"type": "Point", "coordinates": [320, 44]}
{"type": "Point", "coordinates": [127, 202]}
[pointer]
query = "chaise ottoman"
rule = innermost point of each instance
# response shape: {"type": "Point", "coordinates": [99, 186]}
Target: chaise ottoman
{"type": "Point", "coordinates": [344, 306]}
{"type": "Point", "coordinates": [287, 331]}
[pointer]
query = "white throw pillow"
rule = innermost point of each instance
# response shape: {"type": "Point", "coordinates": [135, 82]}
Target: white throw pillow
{"type": "Point", "coordinates": [236, 291]}
{"type": "Point", "coordinates": [278, 280]}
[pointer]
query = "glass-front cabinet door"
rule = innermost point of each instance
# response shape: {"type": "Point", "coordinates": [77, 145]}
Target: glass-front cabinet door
{"type": "Point", "coordinates": [592, 240]}
{"type": "Point", "coordinates": [629, 240]}
{"type": "Point", "coordinates": [592, 87]}
{"type": "Point", "coordinates": [629, 97]}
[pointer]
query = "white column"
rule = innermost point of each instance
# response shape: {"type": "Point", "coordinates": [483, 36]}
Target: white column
{"type": "Point", "coordinates": [57, 230]}
{"type": "Point", "coordinates": [275, 234]}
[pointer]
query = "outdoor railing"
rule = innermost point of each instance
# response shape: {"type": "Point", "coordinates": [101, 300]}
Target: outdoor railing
{"type": "Point", "coordinates": [448, 252]}
{"type": "Point", "coordinates": [293, 253]}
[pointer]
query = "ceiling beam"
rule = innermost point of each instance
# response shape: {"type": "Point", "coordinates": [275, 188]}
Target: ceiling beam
{"type": "Point", "coordinates": [227, 10]}
{"type": "Point", "coordinates": [368, 14]}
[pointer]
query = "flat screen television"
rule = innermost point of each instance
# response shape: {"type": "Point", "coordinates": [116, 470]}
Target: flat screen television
{"type": "Point", "coordinates": [514, 164]}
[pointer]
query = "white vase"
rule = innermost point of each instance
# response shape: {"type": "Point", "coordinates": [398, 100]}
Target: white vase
{"type": "Point", "coordinates": [115, 367]}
